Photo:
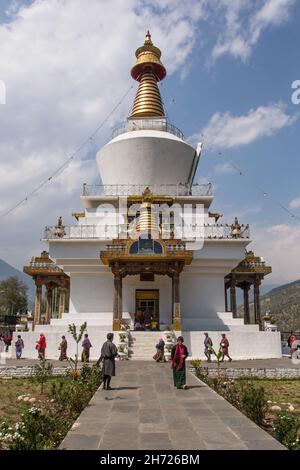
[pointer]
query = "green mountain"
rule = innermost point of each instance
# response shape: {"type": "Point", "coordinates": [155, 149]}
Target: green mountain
{"type": "Point", "coordinates": [283, 303]}
{"type": "Point", "coordinates": [6, 270]}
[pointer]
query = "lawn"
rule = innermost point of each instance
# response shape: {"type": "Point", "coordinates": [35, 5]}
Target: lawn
{"type": "Point", "coordinates": [281, 391]}
{"type": "Point", "coordinates": [11, 389]}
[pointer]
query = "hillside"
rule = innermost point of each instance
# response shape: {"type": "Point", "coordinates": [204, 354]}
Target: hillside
{"type": "Point", "coordinates": [283, 302]}
{"type": "Point", "coordinates": [6, 270]}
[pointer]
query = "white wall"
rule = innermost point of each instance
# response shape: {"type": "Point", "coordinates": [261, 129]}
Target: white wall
{"type": "Point", "coordinates": [91, 292]}
{"type": "Point", "coordinates": [242, 344]}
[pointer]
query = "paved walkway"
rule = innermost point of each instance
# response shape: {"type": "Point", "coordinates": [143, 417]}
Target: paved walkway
{"type": "Point", "coordinates": [145, 411]}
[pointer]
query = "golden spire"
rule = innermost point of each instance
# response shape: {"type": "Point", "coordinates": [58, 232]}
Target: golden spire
{"type": "Point", "coordinates": [147, 222]}
{"type": "Point", "coordinates": [148, 70]}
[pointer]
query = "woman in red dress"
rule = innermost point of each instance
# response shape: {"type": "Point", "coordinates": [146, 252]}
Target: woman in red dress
{"type": "Point", "coordinates": [41, 347]}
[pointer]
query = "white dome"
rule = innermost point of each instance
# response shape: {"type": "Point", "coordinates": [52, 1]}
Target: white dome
{"type": "Point", "coordinates": [145, 157]}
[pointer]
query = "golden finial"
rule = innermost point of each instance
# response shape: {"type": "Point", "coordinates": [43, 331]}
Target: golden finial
{"type": "Point", "coordinates": [148, 70]}
{"type": "Point", "coordinates": [148, 39]}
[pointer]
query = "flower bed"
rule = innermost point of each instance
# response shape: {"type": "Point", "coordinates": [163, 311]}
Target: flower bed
{"type": "Point", "coordinates": [35, 419]}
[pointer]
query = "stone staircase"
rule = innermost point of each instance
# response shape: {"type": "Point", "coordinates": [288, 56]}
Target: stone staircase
{"type": "Point", "coordinates": [142, 344]}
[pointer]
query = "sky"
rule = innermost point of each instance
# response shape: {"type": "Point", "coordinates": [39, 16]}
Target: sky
{"type": "Point", "coordinates": [231, 64]}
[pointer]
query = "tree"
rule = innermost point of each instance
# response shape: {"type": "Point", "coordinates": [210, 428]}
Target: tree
{"type": "Point", "coordinates": [13, 296]}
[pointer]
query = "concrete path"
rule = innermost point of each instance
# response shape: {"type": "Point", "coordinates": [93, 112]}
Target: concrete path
{"type": "Point", "coordinates": [145, 411]}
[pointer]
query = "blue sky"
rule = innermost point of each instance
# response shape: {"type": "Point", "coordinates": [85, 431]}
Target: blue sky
{"type": "Point", "coordinates": [66, 64]}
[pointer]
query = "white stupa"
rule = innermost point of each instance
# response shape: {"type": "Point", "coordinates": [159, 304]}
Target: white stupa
{"type": "Point", "coordinates": [137, 267]}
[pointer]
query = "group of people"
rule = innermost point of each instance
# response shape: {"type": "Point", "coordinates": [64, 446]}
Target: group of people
{"type": "Point", "coordinates": [223, 347]}
{"type": "Point", "coordinates": [145, 321]}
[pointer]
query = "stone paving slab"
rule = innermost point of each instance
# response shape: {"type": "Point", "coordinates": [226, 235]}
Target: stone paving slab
{"type": "Point", "coordinates": [154, 415]}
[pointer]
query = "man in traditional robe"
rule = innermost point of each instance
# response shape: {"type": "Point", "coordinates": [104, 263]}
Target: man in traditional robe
{"type": "Point", "coordinates": [109, 352]}
{"type": "Point", "coordinates": [63, 349]}
{"type": "Point", "coordinates": [208, 344]}
{"type": "Point", "coordinates": [179, 354]}
{"type": "Point", "coordinates": [86, 346]}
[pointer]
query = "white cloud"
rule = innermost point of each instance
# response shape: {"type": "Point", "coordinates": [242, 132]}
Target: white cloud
{"type": "Point", "coordinates": [295, 203]}
{"type": "Point", "coordinates": [66, 63]}
{"type": "Point", "coordinates": [227, 131]}
{"type": "Point", "coordinates": [224, 168]}
{"type": "Point", "coordinates": [245, 22]}
{"type": "Point", "coordinates": [279, 245]}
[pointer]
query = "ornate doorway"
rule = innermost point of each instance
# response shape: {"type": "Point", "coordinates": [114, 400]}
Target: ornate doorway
{"type": "Point", "coordinates": [147, 302]}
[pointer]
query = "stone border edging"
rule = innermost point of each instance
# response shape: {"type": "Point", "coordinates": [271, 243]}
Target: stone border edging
{"type": "Point", "coordinates": [261, 373]}
{"type": "Point", "coordinates": [19, 372]}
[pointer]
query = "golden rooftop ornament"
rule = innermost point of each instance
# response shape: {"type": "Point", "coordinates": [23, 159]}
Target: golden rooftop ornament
{"type": "Point", "coordinates": [148, 70]}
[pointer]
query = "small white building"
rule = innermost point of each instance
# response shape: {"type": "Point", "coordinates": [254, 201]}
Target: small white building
{"type": "Point", "coordinates": [145, 248]}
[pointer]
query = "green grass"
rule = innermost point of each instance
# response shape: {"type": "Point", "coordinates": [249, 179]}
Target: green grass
{"type": "Point", "coordinates": [281, 391]}
{"type": "Point", "coordinates": [10, 389]}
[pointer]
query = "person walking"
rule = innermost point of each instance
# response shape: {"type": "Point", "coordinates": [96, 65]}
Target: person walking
{"type": "Point", "coordinates": [7, 340]}
{"type": "Point", "coordinates": [86, 346]}
{"type": "Point", "coordinates": [224, 345]}
{"type": "Point", "coordinates": [109, 352]}
{"type": "Point", "coordinates": [63, 349]}
{"type": "Point", "coordinates": [160, 351]}
{"type": "Point", "coordinates": [208, 344]}
{"type": "Point", "coordinates": [19, 345]}
{"type": "Point", "coordinates": [290, 341]}
{"type": "Point", "coordinates": [2, 344]}
{"type": "Point", "coordinates": [179, 354]}
{"type": "Point", "coordinates": [41, 347]}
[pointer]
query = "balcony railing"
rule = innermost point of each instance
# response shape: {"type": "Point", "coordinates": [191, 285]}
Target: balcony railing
{"type": "Point", "coordinates": [147, 124]}
{"type": "Point", "coordinates": [138, 189]}
{"type": "Point", "coordinates": [122, 231]}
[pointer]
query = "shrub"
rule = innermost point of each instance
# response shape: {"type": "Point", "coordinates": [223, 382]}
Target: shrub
{"type": "Point", "coordinates": [74, 394]}
{"type": "Point", "coordinates": [196, 363]}
{"type": "Point", "coordinates": [254, 403]}
{"type": "Point", "coordinates": [42, 372]}
{"type": "Point", "coordinates": [37, 430]}
{"type": "Point", "coordinates": [287, 429]}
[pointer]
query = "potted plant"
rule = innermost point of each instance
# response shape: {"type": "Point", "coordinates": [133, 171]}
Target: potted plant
{"type": "Point", "coordinates": [168, 349]}
{"type": "Point", "coordinates": [123, 337]}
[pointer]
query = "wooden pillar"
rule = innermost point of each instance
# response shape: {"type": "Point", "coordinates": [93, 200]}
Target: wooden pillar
{"type": "Point", "coordinates": [117, 309]}
{"type": "Point", "coordinates": [176, 301]}
{"type": "Point", "coordinates": [246, 288]}
{"type": "Point", "coordinates": [257, 301]}
{"type": "Point", "coordinates": [233, 298]}
{"type": "Point", "coordinates": [226, 298]}
{"type": "Point", "coordinates": [62, 301]}
{"type": "Point", "coordinates": [37, 302]}
{"type": "Point", "coordinates": [49, 304]}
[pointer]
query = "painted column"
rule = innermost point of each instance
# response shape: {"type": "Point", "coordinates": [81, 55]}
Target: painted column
{"type": "Point", "coordinates": [257, 301]}
{"type": "Point", "coordinates": [226, 298]}
{"type": "Point", "coordinates": [246, 289]}
{"type": "Point", "coordinates": [37, 302]}
{"type": "Point", "coordinates": [49, 305]}
{"type": "Point", "coordinates": [176, 304]}
{"type": "Point", "coordinates": [117, 312]}
{"type": "Point", "coordinates": [62, 301]}
{"type": "Point", "coordinates": [233, 298]}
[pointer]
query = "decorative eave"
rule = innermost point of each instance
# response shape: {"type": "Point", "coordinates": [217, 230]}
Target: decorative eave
{"type": "Point", "coordinates": [43, 266]}
{"type": "Point", "coordinates": [119, 250]}
{"type": "Point", "coordinates": [251, 265]}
